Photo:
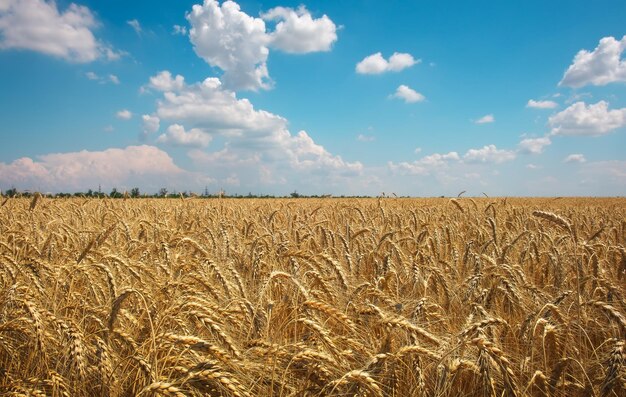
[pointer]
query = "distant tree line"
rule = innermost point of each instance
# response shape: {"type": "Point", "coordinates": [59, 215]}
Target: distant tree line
{"type": "Point", "coordinates": [163, 193]}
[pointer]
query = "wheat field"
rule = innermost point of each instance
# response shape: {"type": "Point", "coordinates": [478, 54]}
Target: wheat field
{"type": "Point", "coordinates": [313, 297]}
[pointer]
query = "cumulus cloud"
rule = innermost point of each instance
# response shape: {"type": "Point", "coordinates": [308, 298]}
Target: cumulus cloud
{"type": "Point", "coordinates": [208, 105]}
{"type": "Point", "coordinates": [237, 43]}
{"type": "Point", "coordinates": [533, 145]}
{"type": "Point", "coordinates": [439, 159]}
{"type": "Point", "coordinates": [226, 37]}
{"type": "Point", "coordinates": [486, 119]}
{"type": "Point", "coordinates": [150, 125]}
{"type": "Point", "coordinates": [177, 136]}
{"type": "Point", "coordinates": [488, 154]}
{"type": "Point", "coordinates": [285, 158]}
{"type": "Point", "coordinates": [408, 94]}
{"type": "Point", "coordinates": [591, 120]}
{"type": "Point", "coordinates": [298, 32]}
{"type": "Point", "coordinates": [255, 143]}
{"type": "Point", "coordinates": [424, 166]}
{"type": "Point", "coordinates": [38, 25]}
{"type": "Point", "coordinates": [124, 114]}
{"type": "Point", "coordinates": [541, 104]}
{"type": "Point", "coordinates": [134, 165]}
{"type": "Point", "coordinates": [601, 66]}
{"type": "Point", "coordinates": [308, 155]}
{"type": "Point", "coordinates": [179, 30]}
{"type": "Point", "coordinates": [376, 64]}
{"type": "Point", "coordinates": [575, 158]}
{"type": "Point", "coordinates": [163, 81]}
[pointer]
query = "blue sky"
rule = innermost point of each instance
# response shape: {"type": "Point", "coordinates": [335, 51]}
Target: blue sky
{"type": "Point", "coordinates": [345, 97]}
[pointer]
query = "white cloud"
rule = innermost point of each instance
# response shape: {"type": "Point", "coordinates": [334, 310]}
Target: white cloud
{"type": "Point", "coordinates": [308, 155]}
{"type": "Point", "coordinates": [180, 30]}
{"type": "Point", "coordinates": [111, 54]}
{"type": "Point", "coordinates": [150, 124]}
{"type": "Point", "coordinates": [38, 25]}
{"type": "Point", "coordinates": [365, 138]}
{"type": "Point", "coordinates": [297, 31]}
{"type": "Point", "coordinates": [417, 150]}
{"type": "Point", "coordinates": [575, 158]}
{"type": "Point", "coordinates": [132, 166]}
{"type": "Point", "coordinates": [591, 120]}
{"type": "Point", "coordinates": [177, 136]}
{"type": "Point", "coordinates": [541, 104]}
{"type": "Point", "coordinates": [485, 119]}
{"type": "Point", "coordinates": [113, 79]}
{"type": "Point", "coordinates": [601, 66]}
{"type": "Point", "coordinates": [439, 159]}
{"type": "Point", "coordinates": [609, 176]}
{"type": "Point", "coordinates": [408, 94]}
{"type": "Point", "coordinates": [531, 166]}
{"type": "Point", "coordinates": [108, 128]}
{"type": "Point", "coordinates": [577, 97]}
{"type": "Point", "coordinates": [533, 145]}
{"type": "Point", "coordinates": [372, 64]}
{"type": "Point", "coordinates": [255, 143]}
{"type": "Point", "coordinates": [210, 106]}
{"type": "Point", "coordinates": [399, 61]}
{"type": "Point", "coordinates": [488, 154]}
{"type": "Point", "coordinates": [232, 40]}
{"type": "Point", "coordinates": [424, 166]}
{"type": "Point", "coordinates": [286, 158]}
{"type": "Point", "coordinates": [163, 81]}
{"type": "Point", "coordinates": [133, 23]}
{"type": "Point", "coordinates": [124, 114]}
{"type": "Point", "coordinates": [238, 44]}
{"type": "Point", "coordinates": [376, 64]}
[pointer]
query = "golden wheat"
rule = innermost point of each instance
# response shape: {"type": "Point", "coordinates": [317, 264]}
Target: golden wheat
{"type": "Point", "coordinates": [312, 297]}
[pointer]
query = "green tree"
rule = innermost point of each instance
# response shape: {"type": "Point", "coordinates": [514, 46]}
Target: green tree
{"type": "Point", "coordinates": [115, 194]}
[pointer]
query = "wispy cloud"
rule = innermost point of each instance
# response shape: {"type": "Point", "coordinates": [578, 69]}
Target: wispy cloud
{"type": "Point", "coordinates": [365, 138]}
{"type": "Point", "coordinates": [575, 158]}
{"type": "Point", "coordinates": [541, 104]}
{"type": "Point", "coordinates": [133, 23]}
{"type": "Point", "coordinates": [111, 78]}
{"type": "Point", "coordinates": [486, 119]}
